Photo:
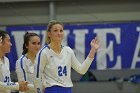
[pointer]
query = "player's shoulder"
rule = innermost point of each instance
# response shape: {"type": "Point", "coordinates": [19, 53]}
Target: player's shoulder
{"type": "Point", "coordinates": [21, 60]}
{"type": "Point", "coordinates": [6, 59]}
{"type": "Point", "coordinates": [44, 49]}
{"type": "Point", "coordinates": [67, 48]}
{"type": "Point", "coordinates": [22, 57]}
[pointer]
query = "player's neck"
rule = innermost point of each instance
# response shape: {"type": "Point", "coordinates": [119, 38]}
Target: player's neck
{"type": "Point", "coordinates": [31, 56]}
{"type": "Point", "coordinates": [56, 47]}
{"type": "Point", "coordinates": [1, 55]}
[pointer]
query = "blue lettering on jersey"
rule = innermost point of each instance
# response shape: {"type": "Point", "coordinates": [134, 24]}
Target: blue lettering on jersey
{"type": "Point", "coordinates": [7, 80]}
{"type": "Point", "coordinates": [62, 70]}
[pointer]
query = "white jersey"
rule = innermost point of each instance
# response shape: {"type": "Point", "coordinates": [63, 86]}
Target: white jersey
{"type": "Point", "coordinates": [25, 71]}
{"type": "Point", "coordinates": [56, 68]}
{"type": "Point", "coordinates": [5, 82]}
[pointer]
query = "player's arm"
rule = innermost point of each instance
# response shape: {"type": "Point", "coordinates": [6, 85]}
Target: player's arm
{"type": "Point", "coordinates": [40, 63]}
{"type": "Point", "coordinates": [83, 67]}
{"type": "Point", "coordinates": [21, 72]}
{"type": "Point", "coordinates": [21, 86]}
{"type": "Point", "coordinates": [9, 86]}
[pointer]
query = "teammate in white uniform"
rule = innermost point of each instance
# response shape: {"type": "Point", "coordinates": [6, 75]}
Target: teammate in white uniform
{"type": "Point", "coordinates": [5, 82]}
{"type": "Point", "coordinates": [55, 61]}
{"type": "Point", "coordinates": [25, 64]}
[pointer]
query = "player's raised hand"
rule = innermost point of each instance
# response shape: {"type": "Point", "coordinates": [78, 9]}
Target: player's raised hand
{"type": "Point", "coordinates": [23, 86]}
{"type": "Point", "coordinates": [95, 43]}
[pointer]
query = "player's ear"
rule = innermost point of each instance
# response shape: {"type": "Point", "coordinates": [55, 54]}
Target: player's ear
{"type": "Point", "coordinates": [26, 45]}
{"type": "Point", "coordinates": [49, 34]}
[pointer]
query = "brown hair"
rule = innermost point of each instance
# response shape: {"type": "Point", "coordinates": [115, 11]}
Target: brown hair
{"type": "Point", "coordinates": [50, 25]}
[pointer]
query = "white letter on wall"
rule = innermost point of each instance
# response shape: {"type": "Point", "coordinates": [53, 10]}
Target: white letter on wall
{"type": "Point", "coordinates": [18, 37]}
{"type": "Point", "coordinates": [136, 59]}
{"type": "Point", "coordinates": [107, 50]}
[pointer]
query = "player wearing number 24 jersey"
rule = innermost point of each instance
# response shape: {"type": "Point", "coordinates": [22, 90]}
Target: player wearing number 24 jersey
{"type": "Point", "coordinates": [55, 61]}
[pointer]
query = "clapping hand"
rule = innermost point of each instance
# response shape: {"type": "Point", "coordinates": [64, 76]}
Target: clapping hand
{"type": "Point", "coordinates": [23, 86]}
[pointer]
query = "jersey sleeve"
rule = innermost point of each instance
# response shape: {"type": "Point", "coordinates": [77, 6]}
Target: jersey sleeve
{"type": "Point", "coordinates": [21, 70]}
{"type": "Point", "coordinates": [9, 86]}
{"type": "Point", "coordinates": [80, 67]}
{"type": "Point", "coordinates": [40, 63]}
{"type": "Point", "coordinates": [31, 87]}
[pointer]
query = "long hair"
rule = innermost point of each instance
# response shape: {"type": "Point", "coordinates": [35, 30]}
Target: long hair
{"type": "Point", "coordinates": [50, 25]}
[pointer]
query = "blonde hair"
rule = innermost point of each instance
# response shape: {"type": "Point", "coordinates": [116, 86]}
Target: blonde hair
{"type": "Point", "coordinates": [50, 25]}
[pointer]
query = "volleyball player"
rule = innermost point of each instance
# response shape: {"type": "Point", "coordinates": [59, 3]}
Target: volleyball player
{"type": "Point", "coordinates": [25, 64]}
{"type": "Point", "coordinates": [55, 61]}
{"type": "Point", "coordinates": [5, 82]}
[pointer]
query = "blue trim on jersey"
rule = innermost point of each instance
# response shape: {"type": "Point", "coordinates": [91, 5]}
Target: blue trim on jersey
{"type": "Point", "coordinates": [21, 64]}
{"type": "Point", "coordinates": [38, 62]}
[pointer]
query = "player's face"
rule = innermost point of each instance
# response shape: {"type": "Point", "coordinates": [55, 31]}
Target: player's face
{"type": "Point", "coordinates": [34, 45]}
{"type": "Point", "coordinates": [6, 44]}
{"type": "Point", "coordinates": [57, 33]}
